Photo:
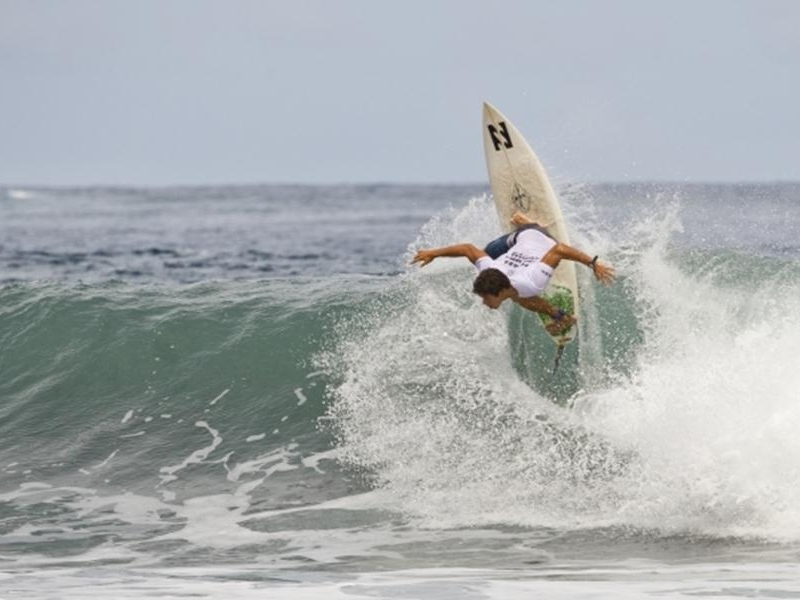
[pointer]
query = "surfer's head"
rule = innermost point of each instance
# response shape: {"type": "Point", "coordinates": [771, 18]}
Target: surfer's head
{"type": "Point", "coordinates": [493, 286]}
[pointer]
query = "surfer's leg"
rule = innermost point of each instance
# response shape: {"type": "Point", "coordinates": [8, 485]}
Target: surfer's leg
{"type": "Point", "coordinates": [519, 219]}
{"type": "Point", "coordinates": [498, 247]}
{"type": "Point", "coordinates": [503, 244]}
{"type": "Point", "coordinates": [524, 222]}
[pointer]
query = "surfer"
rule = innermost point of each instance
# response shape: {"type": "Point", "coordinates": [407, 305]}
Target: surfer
{"type": "Point", "coordinates": [518, 266]}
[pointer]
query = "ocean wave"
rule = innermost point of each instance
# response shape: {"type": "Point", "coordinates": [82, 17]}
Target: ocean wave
{"type": "Point", "coordinates": [111, 380]}
{"type": "Point", "coordinates": [214, 414]}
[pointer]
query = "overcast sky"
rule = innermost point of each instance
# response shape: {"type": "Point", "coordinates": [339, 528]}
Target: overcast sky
{"type": "Point", "coordinates": [232, 91]}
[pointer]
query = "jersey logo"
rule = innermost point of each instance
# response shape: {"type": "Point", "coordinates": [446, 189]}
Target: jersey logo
{"type": "Point", "coordinates": [503, 131]}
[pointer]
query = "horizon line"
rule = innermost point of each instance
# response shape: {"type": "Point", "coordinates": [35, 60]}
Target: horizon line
{"type": "Point", "coordinates": [378, 183]}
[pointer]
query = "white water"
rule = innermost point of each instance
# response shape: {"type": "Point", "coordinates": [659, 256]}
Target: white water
{"type": "Point", "coordinates": [696, 436]}
{"type": "Point", "coordinates": [639, 579]}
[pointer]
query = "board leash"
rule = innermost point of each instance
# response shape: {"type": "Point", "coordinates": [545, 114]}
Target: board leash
{"type": "Point", "coordinates": [559, 352]}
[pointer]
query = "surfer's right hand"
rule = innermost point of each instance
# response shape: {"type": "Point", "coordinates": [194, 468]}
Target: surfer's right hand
{"type": "Point", "coordinates": [423, 257]}
{"type": "Point", "coordinates": [561, 325]}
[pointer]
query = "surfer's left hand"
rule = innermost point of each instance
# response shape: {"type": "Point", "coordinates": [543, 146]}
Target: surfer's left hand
{"type": "Point", "coordinates": [604, 273]}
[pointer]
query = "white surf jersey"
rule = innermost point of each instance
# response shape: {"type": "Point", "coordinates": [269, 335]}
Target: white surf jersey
{"type": "Point", "coordinates": [522, 264]}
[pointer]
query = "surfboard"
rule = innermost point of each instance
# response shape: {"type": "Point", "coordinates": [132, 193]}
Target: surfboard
{"type": "Point", "coordinates": [520, 183]}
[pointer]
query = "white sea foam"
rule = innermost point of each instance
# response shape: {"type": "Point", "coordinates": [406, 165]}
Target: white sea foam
{"type": "Point", "coordinates": [711, 410]}
{"type": "Point", "coordinates": [632, 580]}
{"type": "Point", "coordinates": [219, 397]}
{"type": "Point", "coordinates": [19, 194]}
{"type": "Point", "coordinates": [301, 398]}
{"type": "Point", "coordinates": [695, 434]}
{"type": "Point", "coordinates": [168, 473]}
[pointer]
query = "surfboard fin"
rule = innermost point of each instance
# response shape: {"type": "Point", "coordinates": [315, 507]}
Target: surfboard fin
{"type": "Point", "coordinates": [559, 352]}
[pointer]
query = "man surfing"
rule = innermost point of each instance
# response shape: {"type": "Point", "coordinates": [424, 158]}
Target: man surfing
{"type": "Point", "coordinates": [518, 266]}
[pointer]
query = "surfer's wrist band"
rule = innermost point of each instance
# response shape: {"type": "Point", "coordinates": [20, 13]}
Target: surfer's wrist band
{"type": "Point", "coordinates": [593, 263]}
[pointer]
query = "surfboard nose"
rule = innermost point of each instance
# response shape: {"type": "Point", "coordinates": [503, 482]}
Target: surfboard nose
{"type": "Point", "coordinates": [491, 114]}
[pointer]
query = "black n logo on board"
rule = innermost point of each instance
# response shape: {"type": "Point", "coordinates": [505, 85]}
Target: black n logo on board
{"type": "Point", "coordinates": [500, 129]}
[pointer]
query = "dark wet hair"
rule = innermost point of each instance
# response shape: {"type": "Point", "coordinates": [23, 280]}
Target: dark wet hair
{"type": "Point", "coordinates": [490, 281]}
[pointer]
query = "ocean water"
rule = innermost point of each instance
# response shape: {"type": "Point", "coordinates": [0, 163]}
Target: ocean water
{"type": "Point", "coordinates": [247, 392]}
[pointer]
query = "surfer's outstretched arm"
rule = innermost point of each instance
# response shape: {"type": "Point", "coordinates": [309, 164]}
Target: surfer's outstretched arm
{"type": "Point", "coordinates": [469, 251]}
{"type": "Point", "coordinates": [603, 272]}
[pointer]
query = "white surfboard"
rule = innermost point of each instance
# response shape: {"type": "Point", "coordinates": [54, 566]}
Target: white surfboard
{"type": "Point", "coordinates": [519, 183]}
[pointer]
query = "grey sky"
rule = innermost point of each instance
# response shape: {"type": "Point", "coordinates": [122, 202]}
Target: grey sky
{"type": "Point", "coordinates": [202, 91]}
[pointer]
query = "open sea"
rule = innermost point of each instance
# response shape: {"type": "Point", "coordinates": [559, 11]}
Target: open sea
{"type": "Point", "coordinates": [247, 392]}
